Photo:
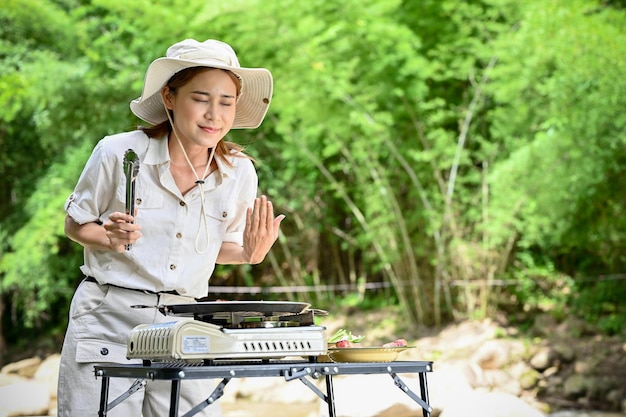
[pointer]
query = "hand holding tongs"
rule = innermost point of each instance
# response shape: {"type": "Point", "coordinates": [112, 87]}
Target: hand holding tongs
{"type": "Point", "coordinates": [131, 169]}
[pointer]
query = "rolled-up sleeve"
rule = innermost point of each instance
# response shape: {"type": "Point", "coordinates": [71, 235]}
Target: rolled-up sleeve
{"type": "Point", "coordinates": [90, 200]}
{"type": "Point", "coordinates": [248, 182]}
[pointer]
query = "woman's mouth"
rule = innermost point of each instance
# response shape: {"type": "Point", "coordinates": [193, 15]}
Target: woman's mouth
{"type": "Point", "coordinates": [209, 129]}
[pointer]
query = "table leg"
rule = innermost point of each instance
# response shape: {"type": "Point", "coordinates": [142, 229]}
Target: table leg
{"type": "Point", "coordinates": [330, 396]}
{"type": "Point", "coordinates": [104, 397]}
{"type": "Point", "coordinates": [174, 397]}
{"type": "Point", "coordinates": [424, 392]}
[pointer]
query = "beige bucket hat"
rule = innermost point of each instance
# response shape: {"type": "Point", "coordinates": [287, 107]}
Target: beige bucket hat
{"type": "Point", "coordinates": [256, 83]}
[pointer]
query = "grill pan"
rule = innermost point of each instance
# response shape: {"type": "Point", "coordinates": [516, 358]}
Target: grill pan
{"type": "Point", "coordinates": [240, 309]}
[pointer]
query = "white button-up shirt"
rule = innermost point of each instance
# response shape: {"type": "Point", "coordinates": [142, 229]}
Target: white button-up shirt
{"type": "Point", "coordinates": [164, 258]}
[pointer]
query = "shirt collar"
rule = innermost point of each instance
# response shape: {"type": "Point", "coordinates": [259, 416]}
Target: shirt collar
{"type": "Point", "coordinates": [158, 153]}
{"type": "Point", "coordinates": [225, 170]}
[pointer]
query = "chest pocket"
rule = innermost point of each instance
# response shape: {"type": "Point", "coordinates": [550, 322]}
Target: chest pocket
{"type": "Point", "coordinates": [221, 210]}
{"type": "Point", "coordinates": [143, 198]}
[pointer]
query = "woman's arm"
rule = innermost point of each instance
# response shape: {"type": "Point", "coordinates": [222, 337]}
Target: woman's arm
{"type": "Point", "coordinates": [113, 235]}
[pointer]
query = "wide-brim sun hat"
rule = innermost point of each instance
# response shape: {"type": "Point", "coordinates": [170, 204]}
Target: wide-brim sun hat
{"type": "Point", "coordinates": [256, 83]}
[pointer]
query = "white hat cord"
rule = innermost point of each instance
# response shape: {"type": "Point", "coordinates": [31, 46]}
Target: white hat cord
{"type": "Point", "coordinates": [200, 183]}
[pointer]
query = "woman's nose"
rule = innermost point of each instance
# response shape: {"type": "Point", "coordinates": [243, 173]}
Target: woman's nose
{"type": "Point", "coordinates": [210, 112]}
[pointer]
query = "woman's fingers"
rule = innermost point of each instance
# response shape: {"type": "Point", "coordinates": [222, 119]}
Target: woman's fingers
{"type": "Point", "coordinates": [121, 231]}
{"type": "Point", "coordinates": [261, 217]}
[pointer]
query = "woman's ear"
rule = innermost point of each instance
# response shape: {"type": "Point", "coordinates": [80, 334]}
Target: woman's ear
{"type": "Point", "coordinates": [166, 95]}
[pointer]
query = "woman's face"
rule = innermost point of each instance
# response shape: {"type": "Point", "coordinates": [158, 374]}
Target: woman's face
{"type": "Point", "coordinates": [204, 108]}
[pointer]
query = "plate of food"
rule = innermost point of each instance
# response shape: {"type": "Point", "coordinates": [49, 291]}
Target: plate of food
{"type": "Point", "coordinates": [365, 354]}
{"type": "Point", "coordinates": [343, 346]}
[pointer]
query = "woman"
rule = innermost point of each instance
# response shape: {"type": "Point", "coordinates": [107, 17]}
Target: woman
{"type": "Point", "coordinates": [196, 206]}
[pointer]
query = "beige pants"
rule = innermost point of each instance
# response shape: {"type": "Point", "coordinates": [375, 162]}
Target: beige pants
{"type": "Point", "coordinates": [100, 321]}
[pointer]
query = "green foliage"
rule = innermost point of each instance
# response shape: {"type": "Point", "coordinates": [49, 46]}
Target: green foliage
{"type": "Point", "coordinates": [559, 95]}
{"type": "Point", "coordinates": [32, 271]}
{"type": "Point", "coordinates": [35, 25]}
{"type": "Point", "coordinates": [601, 301]}
{"type": "Point", "coordinates": [373, 302]}
{"type": "Point", "coordinates": [539, 286]}
{"type": "Point", "coordinates": [560, 157]}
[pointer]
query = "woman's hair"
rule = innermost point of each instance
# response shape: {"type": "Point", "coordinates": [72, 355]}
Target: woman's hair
{"type": "Point", "coordinates": [223, 147]}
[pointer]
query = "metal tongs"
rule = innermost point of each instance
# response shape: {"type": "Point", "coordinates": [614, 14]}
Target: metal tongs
{"type": "Point", "coordinates": [131, 169]}
{"type": "Point", "coordinates": [163, 309]}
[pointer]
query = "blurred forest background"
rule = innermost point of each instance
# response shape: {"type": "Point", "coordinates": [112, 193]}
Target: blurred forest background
{"type": "Point", "coordinates": [453, 158]}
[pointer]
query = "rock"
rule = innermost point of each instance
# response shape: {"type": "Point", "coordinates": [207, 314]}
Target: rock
{"type": "Point", "coordinates": [396, 410]}
{"type": "Point", "coordinates": [48, 373]}
{"type": "Point", "coordinates": [529, 379]}
{"type": "Point", "coordinates": [370, 395]}
{"type": "Point", "coordinates": [53, 408]}
{"type": "Point", "coordinates": [254, 409]}
{"type": "Point", "coordinates": [25, 367]}
{"type": "Point", "coordinates": [510, 386]}
{"type": "Point", "coordinates": [488, 365]}
{"type": "Point", "coordinates": [575, 386]}
{"type": "Point", "coordinates": [277, 390]}
{"type": "Point", "coordinates": [264, 390]}
{"type": "Point", "coordinates": [467, 335]}
{"type": "Point", "coordinates": [29, 387]}
{"type": "Point", "coordinates": [490, 404]}
{"type": "Point", "coordinates": [551, 371]}
{"type": "Point", "coordinates": [28, 398]}
{"type": "Point", "coordinates": [493, 354]}
{"type": "Point", "coordinates": [576, 327]}
{"type": "Point", "coordinates": [249, 388]}
{"type": "Point", "coordinates": [599, 388]}
{"type": "Point", "coordinates": [498, 378]}
{"type": "Point", "coordinates": [544, 323]}
{"type": "Point", "coordinates": [8, 379]}
{"type": "Point", "coordinates": [446, 384]}
{"type": "Point", "coordinates": [543, 359]}
{"type": "Point", "coordinates": [552, 386]}
{"type": "Point", "coordinates": [615, 398]}
{"type": "Point", "coordinates": [564, 352]}
{"type": "Point", "coordinates": [582, 367]}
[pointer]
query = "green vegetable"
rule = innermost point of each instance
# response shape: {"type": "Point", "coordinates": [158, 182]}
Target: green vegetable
{"type": "Point", "coordinates": [343, 334]}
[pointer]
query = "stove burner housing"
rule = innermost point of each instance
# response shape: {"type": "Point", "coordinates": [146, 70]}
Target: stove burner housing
{"type": "Point", "coordinates": [229, 334]}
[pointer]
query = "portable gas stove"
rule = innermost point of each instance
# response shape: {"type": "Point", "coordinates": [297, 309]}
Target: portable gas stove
{"type": "Point", "coordinates": [230, 330]}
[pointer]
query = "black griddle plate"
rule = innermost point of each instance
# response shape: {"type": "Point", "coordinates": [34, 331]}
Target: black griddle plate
{"type": "Point", "coordinates": [241, 309]}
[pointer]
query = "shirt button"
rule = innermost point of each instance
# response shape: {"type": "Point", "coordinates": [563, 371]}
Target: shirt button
{"type": "Point", "coordinates": [172, 267]}
{"type": "Point", "coordinates": [224, 214]}
{"type": "Point", "coordinates": [179, 235]}
{"type": "Point", "coordinates": [104, 351]}
{"type": "Point", "coordinates": [182, 203]}
{"type": "Point", "coordinates": [138, 201]}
